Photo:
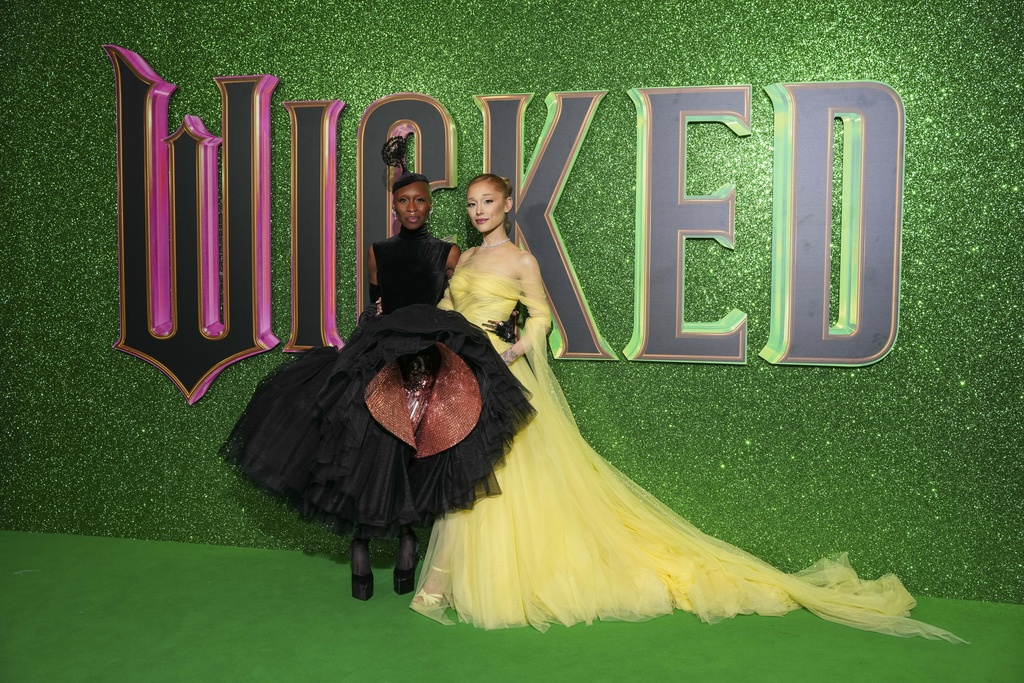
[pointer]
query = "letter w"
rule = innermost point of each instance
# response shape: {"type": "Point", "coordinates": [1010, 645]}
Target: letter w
{"type": "Point", "coordinates": [170, 262]}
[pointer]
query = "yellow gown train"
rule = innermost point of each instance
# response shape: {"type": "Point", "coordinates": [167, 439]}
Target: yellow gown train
{"type": "Point", "coordinates": [571, 539]}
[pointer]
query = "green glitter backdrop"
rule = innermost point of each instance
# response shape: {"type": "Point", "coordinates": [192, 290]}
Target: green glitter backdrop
{"type": "Point", "coordinates": [911, 464]}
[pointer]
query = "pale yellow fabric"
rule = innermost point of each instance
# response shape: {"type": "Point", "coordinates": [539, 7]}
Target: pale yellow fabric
{"type": "Point", "coordinates": [571, 539]}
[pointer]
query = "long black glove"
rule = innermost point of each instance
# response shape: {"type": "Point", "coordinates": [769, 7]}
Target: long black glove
{"type": "Point", "coordinates": [372, 309]}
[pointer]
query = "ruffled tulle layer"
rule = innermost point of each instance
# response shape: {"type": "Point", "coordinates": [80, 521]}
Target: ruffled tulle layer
{"type": "Point", "coordinates": [307, 433]}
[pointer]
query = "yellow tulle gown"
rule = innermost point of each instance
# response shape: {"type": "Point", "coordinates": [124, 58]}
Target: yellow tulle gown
{"type": "Point", "coordinates": [571, 539]}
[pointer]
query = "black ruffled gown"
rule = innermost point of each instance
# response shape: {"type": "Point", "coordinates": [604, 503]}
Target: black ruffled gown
{"type": "Point", "coordinates": [314, 429]}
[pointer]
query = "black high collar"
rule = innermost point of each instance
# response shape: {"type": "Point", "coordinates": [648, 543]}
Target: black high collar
{"type": "Point", "coordinates": [421, 233]}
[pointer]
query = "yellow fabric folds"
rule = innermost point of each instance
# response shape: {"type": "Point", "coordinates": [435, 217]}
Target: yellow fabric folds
{"type": "Point", "coordinates": [571, 539]}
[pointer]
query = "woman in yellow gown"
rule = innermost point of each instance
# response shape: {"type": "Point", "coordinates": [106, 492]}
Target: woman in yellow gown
{"type": "Point", "coordinates": [571, 539]}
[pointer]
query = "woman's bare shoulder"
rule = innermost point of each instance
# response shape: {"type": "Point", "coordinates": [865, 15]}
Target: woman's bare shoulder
{"type": "Point", "coordinates": [526, 263]}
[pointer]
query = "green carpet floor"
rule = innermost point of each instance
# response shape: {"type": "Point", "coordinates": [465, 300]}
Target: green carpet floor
{"type": "Point", "coordinates": [75, 608]}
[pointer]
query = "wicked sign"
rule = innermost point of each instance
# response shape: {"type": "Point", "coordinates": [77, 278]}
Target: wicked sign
{"type": "Point", "coordinates": [195, 295]}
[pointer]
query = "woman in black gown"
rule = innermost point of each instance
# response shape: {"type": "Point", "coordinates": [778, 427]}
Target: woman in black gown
{"type": "Point", "coordinates": [379, 436]}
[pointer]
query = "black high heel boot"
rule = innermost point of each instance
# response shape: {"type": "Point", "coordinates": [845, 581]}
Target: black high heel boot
{"type": "Point", "coordinates": [362, 576]}
{"type": "Point", "coordinates": [405, 562]}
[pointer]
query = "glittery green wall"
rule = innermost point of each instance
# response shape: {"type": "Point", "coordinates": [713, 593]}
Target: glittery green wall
{"type": "Point", "coordinates": [912, 464]}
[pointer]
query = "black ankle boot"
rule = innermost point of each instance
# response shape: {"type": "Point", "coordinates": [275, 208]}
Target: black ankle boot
{"type": "Point", "coordinates": [405, 562]}
{"type": "Point", "coordinates": [362, 576]}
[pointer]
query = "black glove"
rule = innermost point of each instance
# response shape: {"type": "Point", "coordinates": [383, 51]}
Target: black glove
{"type": "Point", "coordinates": [372, 310]}
{"type": "Point", "coordinates": [507, 330]}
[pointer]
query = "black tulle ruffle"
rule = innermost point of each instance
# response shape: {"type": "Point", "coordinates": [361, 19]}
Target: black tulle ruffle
{"type": "Point", "coordinates": [308, 435]}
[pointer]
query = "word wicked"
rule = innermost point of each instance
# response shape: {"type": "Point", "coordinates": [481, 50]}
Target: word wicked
{"type": "Point", "coordinates": [192, 304]}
